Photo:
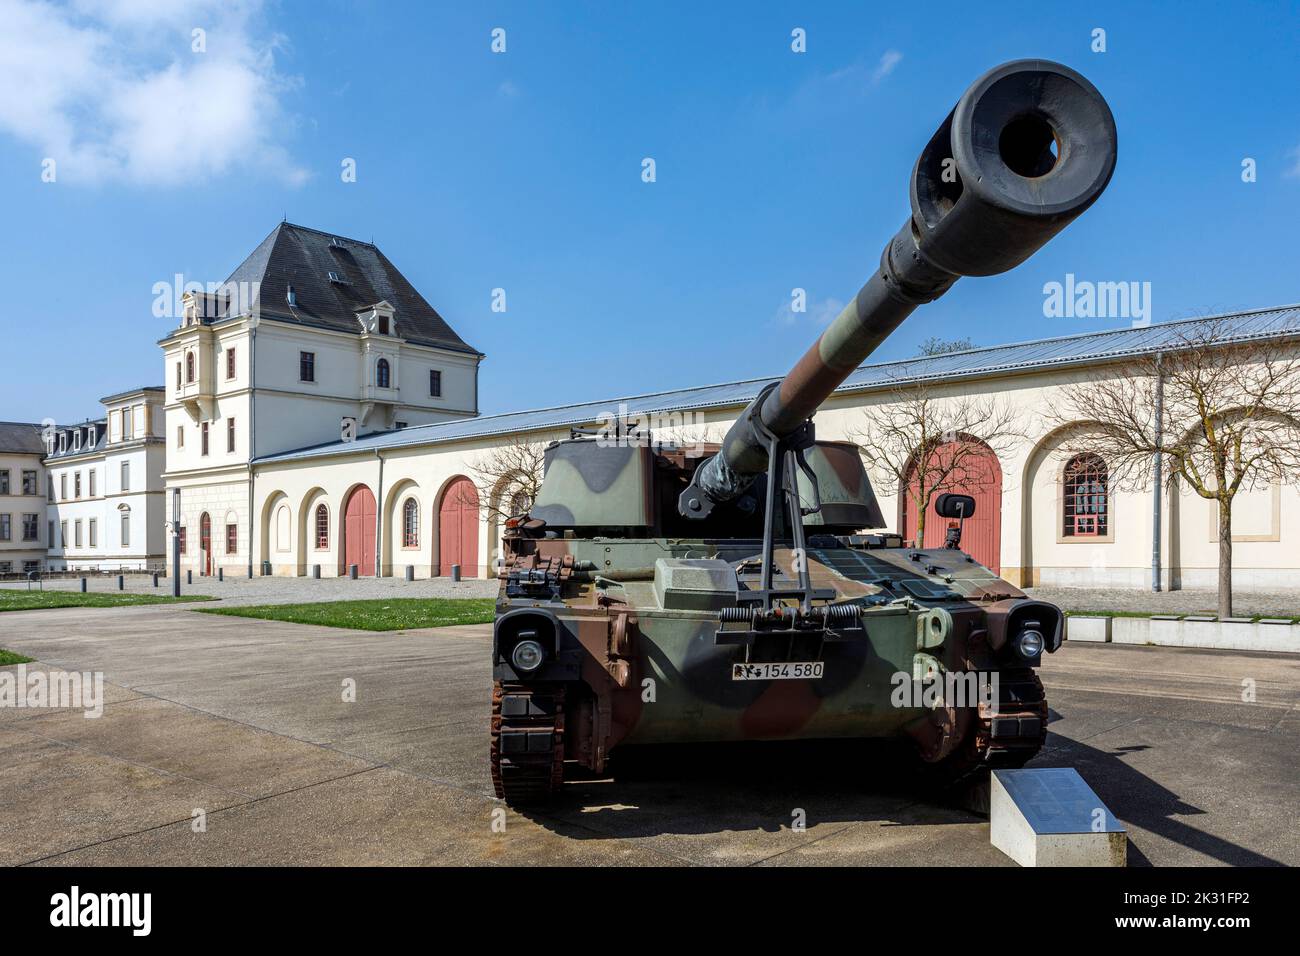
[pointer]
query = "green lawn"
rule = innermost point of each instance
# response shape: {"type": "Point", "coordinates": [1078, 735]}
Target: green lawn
{"type": "Point", "coordinates": [9, 657]}
{"type": "Point", "coordinates": [12, 600]}
{"type": "Point", "coordinates": [389, 614]}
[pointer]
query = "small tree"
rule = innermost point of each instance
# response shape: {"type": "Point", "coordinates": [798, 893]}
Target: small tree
{"type": "Point", "coordinates": [509, 476]}
{"type": "Point", "coordinates": [925, 444]}
{"type": "Point", "coordinates": [1230, 420]}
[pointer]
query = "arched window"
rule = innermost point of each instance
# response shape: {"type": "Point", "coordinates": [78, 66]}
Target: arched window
{"type": "Point", "coordinates": [189, 366]}
{"type": "Point", "coordinates": [282, 542]}
{"type": "Point", "coordinates": [381, 374]}
{"type": "Point", "coordinates": [322, 527]}
{"type": "Point", "coordinates": [410, 524]}
{"type": "Point", "coordinates": [1086, 498]}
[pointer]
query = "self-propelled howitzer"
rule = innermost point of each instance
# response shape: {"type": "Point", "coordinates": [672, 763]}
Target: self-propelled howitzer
{"type": "Point", "coordinates": [661, 594]}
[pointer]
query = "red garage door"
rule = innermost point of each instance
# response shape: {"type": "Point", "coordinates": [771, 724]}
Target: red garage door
{"type": "Point", "coordinates": [458, 528]}
{"type": "Point", "coordinates": [975, 472]}
{"type": "Point", "coordinates": [359, 532]}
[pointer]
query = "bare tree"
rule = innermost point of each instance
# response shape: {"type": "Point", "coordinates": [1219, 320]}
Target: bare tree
{"type": "Point", "coordinates": [937, 346]}
{"type": "Point", "coordinates": [1229, 420]}
{"type": "Point", "coordinates": [509, 476]}
{"type": "Point", "coordinates": [925, 444]}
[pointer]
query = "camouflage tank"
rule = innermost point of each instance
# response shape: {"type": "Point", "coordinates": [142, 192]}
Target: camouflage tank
{"type": "Point", "coordinates": [660, 594]}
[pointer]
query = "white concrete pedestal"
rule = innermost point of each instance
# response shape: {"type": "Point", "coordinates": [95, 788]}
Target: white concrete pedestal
{"type": "Point", "coordinates": [1049, 817]}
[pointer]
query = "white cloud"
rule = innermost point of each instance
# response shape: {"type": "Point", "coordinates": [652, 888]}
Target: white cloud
{"type": "Point", "coordinates": [888, 61]}
{"type": "Point", "coordinates": [111, 90]}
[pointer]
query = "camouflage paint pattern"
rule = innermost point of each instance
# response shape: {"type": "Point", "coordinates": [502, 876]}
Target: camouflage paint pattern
{"type": "Point", "coordinates": [636, 627]}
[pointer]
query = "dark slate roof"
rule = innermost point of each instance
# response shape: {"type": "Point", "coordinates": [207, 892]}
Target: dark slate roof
{"type": "Point", "coordinates": [21, 438]}
{"type": "Point", "coordinates": [303, 258]}
{"type": "Point", "coordinates": [1072, 350]}
{"type": "Point", "coordinates": [101, 440]}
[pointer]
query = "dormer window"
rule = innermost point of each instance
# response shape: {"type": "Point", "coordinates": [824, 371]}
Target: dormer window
{"type": "Point", "coordinates": [63, 442]}
{"type": "Point", "coordinates": [76, 440]}
{"type": "Point", "coordinates": [191, 310]}
{"type": "Point", "coordinates": [377, 319]}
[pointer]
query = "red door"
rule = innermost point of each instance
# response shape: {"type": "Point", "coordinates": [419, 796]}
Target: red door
{"type": "Point", "coordinates": [359, 532]}
{"type": "Point", "coordinates": [458, 529]}
{"type": "Point", "coordinates": [205, 543]}
{"type": "Point", "coordinates": [975, 473]}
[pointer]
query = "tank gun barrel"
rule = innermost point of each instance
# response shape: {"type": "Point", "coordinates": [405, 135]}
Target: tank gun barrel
{"type": "Point", "coordinates": [1028, 147]}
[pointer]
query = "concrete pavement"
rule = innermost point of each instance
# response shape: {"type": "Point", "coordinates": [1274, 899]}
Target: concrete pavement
{"type": "Point", "coordinates": [246, 721]}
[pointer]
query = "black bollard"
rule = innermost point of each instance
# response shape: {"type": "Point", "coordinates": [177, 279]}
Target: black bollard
{"type": "Point", "coordinates": [221, 574]}
{"type": "Point", "coordinates": [83, 585]}
{"type": "Point", "coordinates": [455, 572]}
{"type": "Point", "coordinates": [410, 572]}
{"type": "Point", "coordinates": [315, 571]}
{"type": "Point", "coordinates": [155, 579]}
{"type": "Point", "coordinates": [352, 571]}
{"type": "Point", "coordinates": [121, 582]}
{"type": "Point", "coordinates": [189, 576]}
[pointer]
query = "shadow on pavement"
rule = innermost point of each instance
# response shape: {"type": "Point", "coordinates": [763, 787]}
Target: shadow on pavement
{"type": "Point", "coordinates": [759, 786]}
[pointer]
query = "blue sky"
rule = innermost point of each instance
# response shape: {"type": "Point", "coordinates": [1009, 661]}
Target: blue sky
{"type": "Point", "coordinates": [522, 171]}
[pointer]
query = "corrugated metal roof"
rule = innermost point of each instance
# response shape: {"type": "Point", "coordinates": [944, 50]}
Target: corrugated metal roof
{"type": "Point", "coordinates": [1088, 348]}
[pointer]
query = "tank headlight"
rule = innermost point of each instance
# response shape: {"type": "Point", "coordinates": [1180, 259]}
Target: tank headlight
{"type": "Point", "coordinates": [528, 656]}
{"type": "Point", "coordinates": [1029, 643]}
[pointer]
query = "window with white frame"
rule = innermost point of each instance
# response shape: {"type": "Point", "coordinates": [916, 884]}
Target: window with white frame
{"type": "Point", "coordinates": [322, 527]}
{"type": "Point", "coordinates": [410, 524]}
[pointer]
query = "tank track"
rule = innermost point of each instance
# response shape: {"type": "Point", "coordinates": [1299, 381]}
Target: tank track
{"type": "Point", "coordinates": [527, 750]}
{"type": "Point", "coordinates": [1005, 741]}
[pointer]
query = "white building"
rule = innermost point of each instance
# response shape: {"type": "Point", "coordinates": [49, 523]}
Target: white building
{"type": "Point", "coordinates": [313, 334]}
{"type": "Point", "coordinates": [1034, 524]}
{"type": "Point", "coordinates": [22, 498]}
{"type": "Point", "coordinates": [104, 488]}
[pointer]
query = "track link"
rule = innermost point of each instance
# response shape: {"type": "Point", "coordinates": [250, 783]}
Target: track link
{"type": "Point", "coordinates": [527, 749]}
{"type": "Point", "coordinates": [1006, 740]}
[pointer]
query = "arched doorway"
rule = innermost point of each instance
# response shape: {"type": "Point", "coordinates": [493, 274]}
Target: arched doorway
{"type": "Point", "coordinates": [458, 528]}
{"type": "Point", "coordinates": [359, 531]}
{"type": "Point", "coordinates": [205, 543]}
{"type": "Point", "coordinates": [975, 472]}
